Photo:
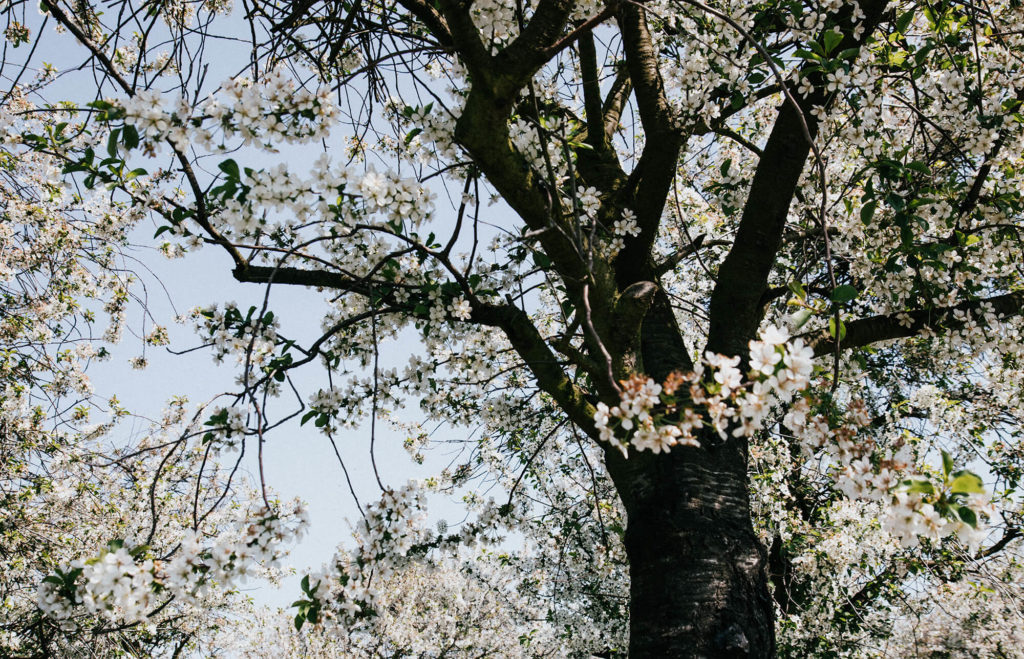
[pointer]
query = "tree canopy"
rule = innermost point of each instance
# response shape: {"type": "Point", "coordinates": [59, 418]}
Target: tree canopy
{"type": "Point", "coordinates": [721, 300]}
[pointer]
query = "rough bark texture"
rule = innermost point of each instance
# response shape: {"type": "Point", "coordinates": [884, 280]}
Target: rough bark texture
{"type": "Point", "coordinates": [699, 587]}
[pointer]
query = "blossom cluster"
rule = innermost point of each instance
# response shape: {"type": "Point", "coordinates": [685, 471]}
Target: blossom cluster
{"type": "Point", "coordinates": [652, 417]}
{"type": "Point", "coordinates": [913, 515]}
{"type": "Point", "coordinates": [496, 21]}
{"type": "Point", "coordinates": [127, 584]}
{"type": "Point", "coordinates": [330, 191]}
{"type": "Point", "coordinates": [866, 469]}
{"type": "Point", "coordinates": [656, 417]}
{"type": "Point", "coordinates": [392, 540]}
{"type": "Point", "coordinates": [261, 113]}
{"type": "Point", "coordinates": [226, 425]}
{"type": "Point", "coordinates": [252, 339]}
{"type": "Point", "coordinates": [400, 199]}
{"type": "Point", "coordinates": [390, 528]}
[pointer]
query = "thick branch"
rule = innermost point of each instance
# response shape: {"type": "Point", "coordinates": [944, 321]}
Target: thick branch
{"type": "Point", "coordinates": [465, 38]}
{"type": "Point", "coordinates": [678, 256]}
{"type": "Point", "coordinates": [541, 361]}
{"type": "Point", "coordinates": [482, 130]}
{"type": "Point", "coordinates": [261, 274]}
{"type": "Point", "coordinates": [584, 29]}
{"type": "Point", "coordinates": [598, 165]}
{"type": "Point", "coordinates": [743, 276]}
{"type": "Point", "coordinates": [592, 93]}
{"type": "Point", "coordinates": [514, 322]}
{"type": "Point", "coordinates": [430, 18]}
{"type": "Point", "coordinates": [530, 50]}
{"type": "Point", "coordinates": [615, 103]}
{"type": "Point", "coordinates": [652, 177]}
{"type": "Point", "coordinates": [661, 342]}
{"type": "Point", "coordinates": [866, 331]}
{"type": "Point", "coordinates": [656, 114]}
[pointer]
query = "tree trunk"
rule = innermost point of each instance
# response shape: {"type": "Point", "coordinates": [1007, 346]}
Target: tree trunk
{"type": "Point", "coordinates": [699, 585]}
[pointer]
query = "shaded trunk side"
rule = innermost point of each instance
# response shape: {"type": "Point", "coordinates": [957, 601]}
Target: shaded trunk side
{"type": "Point", "coordinates": [699, 584]}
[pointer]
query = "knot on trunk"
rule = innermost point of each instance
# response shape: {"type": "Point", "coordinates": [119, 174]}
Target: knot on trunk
{"type": "Point", "coordinates": [630, 309]}
{"type": "Point", "coordinates": [733, 641]}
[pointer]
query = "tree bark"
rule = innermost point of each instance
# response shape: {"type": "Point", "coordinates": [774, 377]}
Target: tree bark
{"type": "Point", "coordinates": [699, 583]}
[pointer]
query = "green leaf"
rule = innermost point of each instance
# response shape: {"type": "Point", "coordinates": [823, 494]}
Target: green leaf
{"type": "Point", "coordinates": [412, 134]}
{"type": "Point", "coordinates": [967, 483]}
{"type": "Point", "coordinates": [832, 39]}
{"type": "Point", "coordinates": [868, 211]}
{"type": "Point", "coordinates": [797, 289]}
{"type": "Point", "coordinates": [801, 317]}
{"type": "Point", "coordinates": [917, 485]}
{"type": "Point", "coordinates": [179, 215]}
{"type": "Point", "coordinates": [130, 136]}
{"type": "Point", "coordinates": [847, 53]}
{"type": "Point", "coordinates": [947, 464]}
{"type": "Point", "coordinates": [903, 22]}
{"type": "Point", "coordinates": [230, 167]}
{"type": "Point", "coordinates": [832, 328]}
{"type": "Point", "coordinates": [967, 515]}
{"type": "Point", "coordinates": [919, 166]}
{"type": "Point", "coordinates": [112, 142]}
{"type": "Point", "coordinates": [843, 293]}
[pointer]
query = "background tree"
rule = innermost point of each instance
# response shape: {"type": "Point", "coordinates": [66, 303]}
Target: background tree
{"type": "Point", "coordinates": [75, 483]}
{"type": "Point", "coordinates": [687, 185]}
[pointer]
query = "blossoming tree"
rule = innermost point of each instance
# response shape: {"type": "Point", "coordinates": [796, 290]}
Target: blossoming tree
{"type": "Point", "coordinates": [738, 344]}
{"type": "Point", "coordinates": [79, 523]}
